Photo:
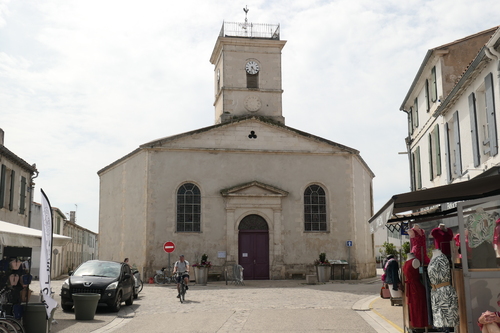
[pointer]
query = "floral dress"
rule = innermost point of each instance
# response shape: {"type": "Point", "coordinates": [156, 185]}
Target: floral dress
{"type": "Point", "coordinates": [444, 299]}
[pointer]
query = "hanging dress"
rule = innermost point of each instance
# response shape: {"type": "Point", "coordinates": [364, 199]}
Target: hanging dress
{"type": "Point", "coordinates": [442, 240]}
{"type": "Point", "coordinates": [419, 247]}
{"type": "Point", "coordinates": [415, 295]}
{"type": "Point", "coordinates": [444, 299]}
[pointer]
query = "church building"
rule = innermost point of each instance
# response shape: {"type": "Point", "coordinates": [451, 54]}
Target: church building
{"type": "Point", "coordinates": [247, 189]}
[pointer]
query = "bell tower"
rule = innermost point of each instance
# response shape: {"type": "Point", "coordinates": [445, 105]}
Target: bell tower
{"type": "Point", "coordinates": [247, 73]}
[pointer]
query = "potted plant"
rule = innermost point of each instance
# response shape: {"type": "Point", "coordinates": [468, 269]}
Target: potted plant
{"type": "Point", "coordinates": [323, 268]}
{"type": "Point", "coordinates": [201, 270]}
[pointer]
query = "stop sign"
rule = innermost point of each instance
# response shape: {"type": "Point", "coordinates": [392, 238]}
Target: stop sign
{"type": "Point", "coordinates": [169, 247]}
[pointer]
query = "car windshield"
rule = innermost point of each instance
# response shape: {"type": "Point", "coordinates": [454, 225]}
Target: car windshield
{"type": "Point", "coordinates": [99, 268]}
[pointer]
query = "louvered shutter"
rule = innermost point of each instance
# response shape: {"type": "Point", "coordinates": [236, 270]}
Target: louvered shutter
{"type": "Point", "coordinates": [410, 119]}
{"type": "Point", "coordinates": [12, 183]}
{"type": "Point", "coordinates": [456, 136]}
{"type": "Point", "coordinates": [22, 201]}
{"type": "Point", "coordinates": [2, 185]}
{"type": "Point", "coordinates": [427, 97]}
{"type": "Point", "coordinates": [418, 169]}
{"type": "Point", "coordinates": [490, 114]}
{"type": "Point", "coordinates": [431, 153]}
{"type": "Point", "coordinates": [473, 130]}
{"type": "Point", "coordinates": [448, 151]}
{"type": "Point", "coordinates": [437, 151]}
{"type": "Point", "coordinates": [415, 112]}
{"type": "Point", "coordinates": [434, 84]}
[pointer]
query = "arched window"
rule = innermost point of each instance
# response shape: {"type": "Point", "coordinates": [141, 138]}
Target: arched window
{"type": "Point", "coordinates": [188, 208]}
{"type": "Point", "coordinates": [315, 209]}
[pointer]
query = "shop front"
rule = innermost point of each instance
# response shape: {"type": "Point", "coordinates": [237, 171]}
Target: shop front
{"type": "Point", "coordinates": [461, 223]}
{"type": "Point", "coordinates": [16, 260]}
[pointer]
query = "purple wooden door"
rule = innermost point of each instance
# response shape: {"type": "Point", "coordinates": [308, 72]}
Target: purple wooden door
{"type": "Point", "coordinates": [253, 254]}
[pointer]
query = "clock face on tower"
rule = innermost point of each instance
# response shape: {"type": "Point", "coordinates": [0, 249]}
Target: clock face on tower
{"type": "Point", "coordinates": [252, 103]}
{"type": "Point", "coordinates": [252, 67]}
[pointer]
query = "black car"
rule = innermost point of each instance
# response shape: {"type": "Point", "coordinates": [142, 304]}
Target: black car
{"type": "Point", "coordinates": [112, 280]}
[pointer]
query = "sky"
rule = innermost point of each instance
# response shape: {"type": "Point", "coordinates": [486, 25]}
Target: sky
{"type": "Point", "coordinates": [83, 83]}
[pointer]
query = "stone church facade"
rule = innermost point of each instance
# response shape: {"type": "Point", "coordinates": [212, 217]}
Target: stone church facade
{"type": "Point", "coordinates": [248, 189]}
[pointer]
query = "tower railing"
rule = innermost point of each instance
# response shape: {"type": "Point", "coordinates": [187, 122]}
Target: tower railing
{"type": "Point", "coordinates": [250, 30]}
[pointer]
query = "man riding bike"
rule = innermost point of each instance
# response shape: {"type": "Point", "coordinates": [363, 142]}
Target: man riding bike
{"type": "Point", "coordinates": [181, 266]}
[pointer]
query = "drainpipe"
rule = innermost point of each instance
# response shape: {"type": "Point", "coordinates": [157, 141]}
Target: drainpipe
{"type": "Point", "coordinates": [408, 141]}
{"type": "Point", "coordinates": [32, 188]}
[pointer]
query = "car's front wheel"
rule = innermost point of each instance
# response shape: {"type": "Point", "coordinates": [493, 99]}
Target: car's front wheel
{"type": "Point", "coordinates": [115, 307]}
{"type": "Point", "coordinates": [130, 300]}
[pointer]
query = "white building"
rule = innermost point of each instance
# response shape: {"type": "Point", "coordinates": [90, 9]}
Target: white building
{"type": "Point", "coordinates": [451, 108]}
{"type": "Point", "coordinates": [248, 189]}
{"type": "Point", "coordinates": [58, 219]}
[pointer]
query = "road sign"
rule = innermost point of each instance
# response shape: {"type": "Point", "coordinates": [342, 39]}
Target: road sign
{"type": "Point", "coordinates": [169, 247]}
{"type": "Point", "coordinates": [348, 243]}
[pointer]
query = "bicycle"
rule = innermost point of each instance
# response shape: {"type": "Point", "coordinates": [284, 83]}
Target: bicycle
{"type": "Point", "coordinates": [161, 276]}
{"type": "Point", "coordinates": [8, 323]}
{"type": "Point", "coordinates": [182, 287]}
{"type": "Point", "coordinates": [138, 284]}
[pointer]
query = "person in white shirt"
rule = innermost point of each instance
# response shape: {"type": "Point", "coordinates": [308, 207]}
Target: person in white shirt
{"type": "Point", "coordinates": [181, 266]}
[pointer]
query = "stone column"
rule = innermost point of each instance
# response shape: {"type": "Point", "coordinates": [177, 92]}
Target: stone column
{"type": "Point", "coordinates": [231, 237]}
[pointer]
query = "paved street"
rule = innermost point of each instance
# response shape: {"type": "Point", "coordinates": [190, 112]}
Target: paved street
{"type": "Point", "coordinates": [259, 306]}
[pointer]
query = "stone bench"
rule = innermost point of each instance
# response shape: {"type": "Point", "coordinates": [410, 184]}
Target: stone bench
{"type": "Point", "coordinates": [311, 279]}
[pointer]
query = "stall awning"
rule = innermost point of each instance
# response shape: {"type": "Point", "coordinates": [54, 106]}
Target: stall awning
{"type": "Point", "coordinates": [479, 187]}
{"type": "Point", "coordinates": [16, 235]}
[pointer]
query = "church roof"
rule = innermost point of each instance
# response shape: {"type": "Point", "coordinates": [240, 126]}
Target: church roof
{"type": "Point", "coordinates": [159, 142]}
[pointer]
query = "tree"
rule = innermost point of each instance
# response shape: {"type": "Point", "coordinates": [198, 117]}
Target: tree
{"type": "Point", "coordinates": [405, 249]}
{"type": "Point", "coordinates": [388, 248]}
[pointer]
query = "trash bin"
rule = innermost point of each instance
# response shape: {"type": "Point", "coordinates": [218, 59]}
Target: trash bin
{"type": "Point", "coordinates": [85, 305]}
{"type": "Point", "coordinates": [35, 318]}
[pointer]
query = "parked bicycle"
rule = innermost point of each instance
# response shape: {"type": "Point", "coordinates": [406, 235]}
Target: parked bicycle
{"type": "Point", "coordinates": [8, 323]}
{"type": "Point", "coordinates": [182, 287]}
{"type": "Point", "coordinates": [162, 277]}
{"type": "Point", "coordinates": [138, 282]}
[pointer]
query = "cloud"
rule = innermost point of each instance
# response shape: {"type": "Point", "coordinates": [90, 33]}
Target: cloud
{"type": "Point", "coordinates": [84, 83]}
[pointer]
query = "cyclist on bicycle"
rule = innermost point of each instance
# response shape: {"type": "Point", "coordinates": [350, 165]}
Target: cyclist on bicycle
{"type": "Point", "coordinates": [181, 266]}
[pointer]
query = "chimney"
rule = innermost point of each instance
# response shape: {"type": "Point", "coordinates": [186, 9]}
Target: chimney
{"type": "Point", "coordinates": [1, 136]}
{"type": "Point", "coordinates": [72, 216]}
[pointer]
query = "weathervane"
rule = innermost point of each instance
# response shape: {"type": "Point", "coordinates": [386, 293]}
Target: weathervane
{"type": "Point", "coordinates": [245, 25]}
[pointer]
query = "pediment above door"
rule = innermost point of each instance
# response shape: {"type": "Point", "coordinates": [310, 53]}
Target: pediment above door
{"type": "Point", "coordinates": [253, 189]}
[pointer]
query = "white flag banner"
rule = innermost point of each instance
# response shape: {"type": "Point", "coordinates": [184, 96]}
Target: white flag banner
{"type": "Point", "coordinates": [45, 256]}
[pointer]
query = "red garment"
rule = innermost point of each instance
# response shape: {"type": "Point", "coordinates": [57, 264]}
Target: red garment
{"type": "Point", "coordinates": [415, 295]}
{"type": "Point", "coordinates": [418, 246]}
{"type": "Point", "coordinates": [457, 244]}
{"type": "Point", "coordinates": [496, 237]}
{"type": "Point", "coordinates": [442, 240]}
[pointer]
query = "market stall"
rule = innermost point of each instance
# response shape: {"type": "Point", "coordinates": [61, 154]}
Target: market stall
{"type": "Point", "coordinates": [457, 222]}
{"type": "Point", "coordinates": [16, 245]}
